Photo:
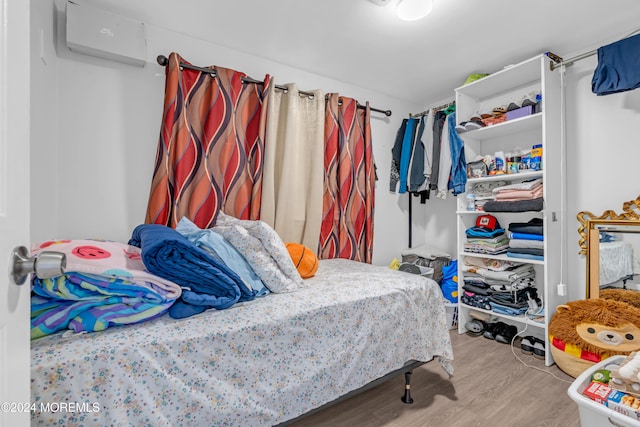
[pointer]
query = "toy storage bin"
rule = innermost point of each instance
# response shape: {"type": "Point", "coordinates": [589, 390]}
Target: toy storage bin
{"type": "Point", "coordinates": [593, 414]}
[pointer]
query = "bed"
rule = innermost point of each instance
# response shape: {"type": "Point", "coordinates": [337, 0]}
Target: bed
{"type": "Point", "coordinates": [616, 262]}
{"type": "Point", "coordinates": [261, 362]}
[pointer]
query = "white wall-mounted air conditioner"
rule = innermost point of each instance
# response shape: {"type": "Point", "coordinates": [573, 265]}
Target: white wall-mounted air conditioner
{"type": "Point", "coordinates": [106, 35]}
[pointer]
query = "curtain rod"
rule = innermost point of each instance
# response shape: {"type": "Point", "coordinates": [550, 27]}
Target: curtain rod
{"type": "Point", "coordinates": [586, 54]}
{"type": "Point", "coordinates": [434, 109]}
{"type": "Point", "coordinates": [572, 60]}
{"type": "Point", "coordinates": [164, 61]}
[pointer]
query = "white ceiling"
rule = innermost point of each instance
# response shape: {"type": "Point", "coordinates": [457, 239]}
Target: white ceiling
{"type": "Point", "coordinates": [363, 44]}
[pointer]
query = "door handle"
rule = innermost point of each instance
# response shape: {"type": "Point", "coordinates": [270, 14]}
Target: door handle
{"type": "Point", "coordinates": [45, 265]}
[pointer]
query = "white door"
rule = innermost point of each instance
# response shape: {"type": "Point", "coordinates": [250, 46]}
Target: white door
{"type": "Point", "coordinates": [14, 209]}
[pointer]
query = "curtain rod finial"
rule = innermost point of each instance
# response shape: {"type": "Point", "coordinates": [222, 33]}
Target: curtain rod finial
{"type": "Point", "coordinates": [162, 60]}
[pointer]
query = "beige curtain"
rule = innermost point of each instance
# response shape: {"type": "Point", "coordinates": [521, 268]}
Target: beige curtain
{"type": "Point", "coordinates": [293, 176]}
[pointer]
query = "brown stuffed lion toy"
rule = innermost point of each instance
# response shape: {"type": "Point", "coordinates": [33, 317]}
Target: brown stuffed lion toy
{"type": "Point", "coordinates": [584, 332]}
{"type": "Point", "coordinates": [624, 295]}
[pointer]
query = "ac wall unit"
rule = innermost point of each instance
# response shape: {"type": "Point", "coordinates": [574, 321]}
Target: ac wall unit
{"type": "Point", "coordinates": [106, 35]}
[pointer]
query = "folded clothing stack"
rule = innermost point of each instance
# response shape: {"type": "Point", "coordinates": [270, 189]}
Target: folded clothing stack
{"type": "Point", "coordinates": [525, 190]}
{"type": "Point", "coordinates": [487, 237]}
{"type": "Point", "coordinates": [502, 286]}
{"type": "Point", "coordinates": [521, 197]}
{"type": "Point", "coordinates": [526, 239]}
{"type": "Point", "coordinates": [483, 192]}
{"type": "Point", "coordinates": [505, 276]}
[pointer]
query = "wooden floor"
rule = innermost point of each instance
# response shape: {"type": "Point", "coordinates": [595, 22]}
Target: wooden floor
{"type": "Point", "coordinates": [490, 388]}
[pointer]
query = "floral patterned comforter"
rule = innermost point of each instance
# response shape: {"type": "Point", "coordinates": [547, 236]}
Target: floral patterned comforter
{"type": "Point", "coordinates": [259, 363]}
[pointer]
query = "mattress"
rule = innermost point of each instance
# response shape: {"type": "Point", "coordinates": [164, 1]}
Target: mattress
{"type": "Point", "coordinates": [258, 363]}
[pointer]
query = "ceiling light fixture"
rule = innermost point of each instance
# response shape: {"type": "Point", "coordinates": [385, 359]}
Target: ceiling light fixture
{"type": "Point", "coordinates": [412, 10]}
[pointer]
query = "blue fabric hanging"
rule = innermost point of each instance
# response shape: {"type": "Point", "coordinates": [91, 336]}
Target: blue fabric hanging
{"type": "Point", "coordinates": [458, 176]}
{"type": "Point", "coordinates": [405, 158]}
{"type": "Point", "coordinates": [618, 68]}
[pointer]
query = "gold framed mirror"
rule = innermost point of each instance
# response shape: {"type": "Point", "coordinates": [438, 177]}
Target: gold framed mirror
{"type": "Point", "coordinates": [611, 243]}
{"type": "Point", "coordinates": [613, 255]}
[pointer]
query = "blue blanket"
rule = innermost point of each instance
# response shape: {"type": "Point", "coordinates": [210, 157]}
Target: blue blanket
{"type": "Point", "coordinates": [206, 282]}
{"type": "Point", "coordinates": [218, 247]}
{"type": "Point", "coordinates": [91, 303]}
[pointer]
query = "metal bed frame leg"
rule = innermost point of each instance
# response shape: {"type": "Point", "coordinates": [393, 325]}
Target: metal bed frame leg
{"type": "Point", "coordinates": [407, 388]}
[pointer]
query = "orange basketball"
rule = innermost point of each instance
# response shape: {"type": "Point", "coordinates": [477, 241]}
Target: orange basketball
{"type": "Point", "coordinates": [304, 259]}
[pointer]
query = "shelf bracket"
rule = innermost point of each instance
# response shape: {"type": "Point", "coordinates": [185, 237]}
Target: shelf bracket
{"type": "Point", "coordinates": [555, 58]}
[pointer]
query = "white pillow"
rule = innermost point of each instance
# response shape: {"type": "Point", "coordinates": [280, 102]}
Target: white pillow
{"type": "Point", "coordinates": [263, 248]}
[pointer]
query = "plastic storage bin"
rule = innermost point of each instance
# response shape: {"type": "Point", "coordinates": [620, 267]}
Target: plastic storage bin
{"type": "Point", "coordinates": [593, 414]}
{"type": "Point", "coordinates": [452, 315]}
{"type": "Point", "coordinates": [520, 112]}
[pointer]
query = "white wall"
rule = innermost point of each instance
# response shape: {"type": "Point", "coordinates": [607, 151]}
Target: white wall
{"type": "Point", "coordinates": [603, 153]}
{"type": "Point", "coordinates": [44, 130]}
{"type": "Point", "coordinates": [96, 124]}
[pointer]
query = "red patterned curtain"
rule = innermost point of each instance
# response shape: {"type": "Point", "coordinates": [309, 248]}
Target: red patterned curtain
{"type": "Point", "coordinates": [210, 150]}
{"type": "Point", "coordinates": [348, 204]}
